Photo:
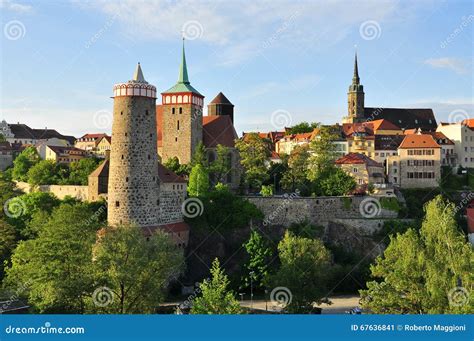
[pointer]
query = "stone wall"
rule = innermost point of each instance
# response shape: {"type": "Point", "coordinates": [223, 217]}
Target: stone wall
{"type": "Point", "coordinates": [284, 210]}
{"type": "Point", "coordinates": [60, 191]}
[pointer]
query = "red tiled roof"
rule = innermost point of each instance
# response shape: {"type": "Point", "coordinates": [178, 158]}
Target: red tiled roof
{"type": "Point", "coordinates": [469, 122]}
{"type": "Point", "coordinates": [218, 130]}
{"type": "Point", "coordinates": [93, 136]}
{"type": "Point", "coordinates": [383, 124]}
{"type": "Point", "coordinates": [419, 141]}
{"type": "Point", "coordinates": [357, 158]}
{"type": "Point", "coordinates": [168, 228]}
{"type": "Point", "coordinates": [108, 138]}
{"type": "Point", "coordinates": [350, 128]}
{"type": "Point", "coordinates": [167, 175]}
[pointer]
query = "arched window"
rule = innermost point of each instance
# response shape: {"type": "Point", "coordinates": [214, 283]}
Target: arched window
{"type": "Point", "coordinates": [180, 99]}
{"type": "Point", "coordinates": [185, 99]}
{"type": "Point", "coordinates": [173, 99]}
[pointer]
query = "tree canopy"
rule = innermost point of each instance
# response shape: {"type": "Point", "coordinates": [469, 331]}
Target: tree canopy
{"type": "Point", "coordinates": [216, 297]}
{"type": "Point", "coordinates": [254, 152]}
{"type": "Point", "coordinates": [425, 272]}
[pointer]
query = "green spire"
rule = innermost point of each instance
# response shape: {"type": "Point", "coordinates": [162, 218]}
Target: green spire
{"type": "Point", "coordinates": [183, 69]}
{"type": "Point", "coordinates": [355, 78]}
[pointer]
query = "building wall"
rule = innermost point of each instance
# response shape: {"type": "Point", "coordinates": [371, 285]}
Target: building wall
{"type": "Point", "coordinates": [463, 138]}
{"type": "Point", "coordinates": [362, 145]}
{"type": "Point", "coordinates": [358, 172]}
{"type": "Point", "coordinates": [182, 131]}
{"type": "Point", "coordinates": [400, 165]}
{"type": "Point", "coordinates": [6, 160]}
{"type": "Point", "coordinates": [133, 173]}
{"type": "Point", "coordinates": [172, 196]}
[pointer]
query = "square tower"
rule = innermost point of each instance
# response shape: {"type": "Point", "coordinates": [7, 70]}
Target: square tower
{"type": "Point", "coordinates": [182, 118]}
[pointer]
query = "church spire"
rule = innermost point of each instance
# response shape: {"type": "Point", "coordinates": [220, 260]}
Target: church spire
{"type": "Point", "coordinates": [183, 69]}
{"type": "Point", "coordinates": [355, 78]}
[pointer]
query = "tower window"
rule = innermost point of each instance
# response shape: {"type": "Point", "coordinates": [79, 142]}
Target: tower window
{"type": "Point", "coordinates": [146, 112]}
{"type": "Point", "coordinates": [117, 204]}
{"type": "Point", "coordinates": [175, 139]}
{"type": "Point", "coordinates": [177, 126]}
{"type": "Point", "coordinates": [126, 179]}
{"type": "Point", "coordinates": [149, 156]}
{"type": "Point", "coordinates": [180, 110]}
{"type": "Point", "coordinates": [121, 113]}
{"type": "Point", "coordinates": [126, 134]}
{"type": "Point", "coordinates": [122, 156]}
{"type": "Point", "coordinates": [173, 110]}
{"type": "Point", "coordinates": [158, 202]}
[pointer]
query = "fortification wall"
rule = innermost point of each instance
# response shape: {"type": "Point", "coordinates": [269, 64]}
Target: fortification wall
{"type": "Point", "coordinates": [284, 210]}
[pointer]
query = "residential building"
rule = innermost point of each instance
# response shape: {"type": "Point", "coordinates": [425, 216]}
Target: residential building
{"type": "Point", "coordinates": [385, 146]}
{"type": "Point", "coordinates": [60, 154]}
{"type": "Point", "coordinates": [103, 146]}
{"type": "Point", "coordinates": [417, 163]}
{"type": "Point", "coordinates": [89, 142]}
{"type": "Point", "coordinates": [462, 135]}
{"type": "Point", "coordinates": [6, 155]}
{"type": "Point", "coordinates": [362, 168]}
{"type": "Point", "coordinates": [23, 134]}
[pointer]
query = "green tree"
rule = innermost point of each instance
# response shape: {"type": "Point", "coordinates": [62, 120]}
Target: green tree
{"type": "Point", "coordinates": [303, 127]}
{"type": "Point", "coordinates": [8, 241]}
{"type": "Point", "coordinates": [134, 269]}
{"type": "Point", "coordinates": [2, 138]}
{"type": "Point", "coordinates": [334, 181]}
{"type": "Point", "coordinates": [56, 266]}
{"type": "Point", "coordinates": [425, 272]}
{"type": "Point", "coordinates": [221, 165]}
{"type": "Point", "coordinates": [296, 175]}
{"type": "Point", "coordinates": [23, 162]}
{"type": "Point", "coordinates": [80, 170]}
{"type": "Point", "coordinates": [198, 181]}
{"type": "Point", "coordinates": [254, 153]}
{"type": "Point", "coordinates": [305, 270]}
{"type": "Point", "coordinates": [266, 191]}
{"type": "Point", "coordinates": [323, 152]}
{"type": "Point", "coordinates": [199, 156]}
{"type": "Point", "coordinates": [216, 298]}
{"type": "Point", "coordinates": [174, 165]}
{"type": "Point", "coordinates": [42, 173]}
{"type": "Point", "coordinates": [257, 267]}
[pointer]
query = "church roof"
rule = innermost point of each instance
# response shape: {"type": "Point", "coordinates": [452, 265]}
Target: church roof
{"type": "Point", "coordinates": [218, 130]}
{"type": "Point", "coordinates": [405, 118]}
{"type": "Point", "coordinates": [220, 99]}
{"type": "Point", "coordinates": [183, 84]}
{"type": "Point", "coordinates": [22, 131]}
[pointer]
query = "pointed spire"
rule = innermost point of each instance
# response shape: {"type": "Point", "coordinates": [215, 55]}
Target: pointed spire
{"type": "Point", "coordinates": [138, 75]}
{"type": "Point", "coordinates": [355, 78]}
{"type": "Point", "coordinates": [183, 69]}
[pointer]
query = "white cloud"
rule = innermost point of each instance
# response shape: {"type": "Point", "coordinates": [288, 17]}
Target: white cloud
{"type": "Point", "coordinates": [455, 64]}
{"type": "Point", "coordinates": [239, 30]}
{"type": "Point", "coordinates": [15, 7]}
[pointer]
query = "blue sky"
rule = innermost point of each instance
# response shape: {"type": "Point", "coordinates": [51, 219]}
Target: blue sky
{"type": "Point", "coordinates": [60, 59]}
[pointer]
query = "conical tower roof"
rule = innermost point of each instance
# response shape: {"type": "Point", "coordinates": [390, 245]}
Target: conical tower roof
{"type": "Point", "coordinates": [138, 74]}
{"type": "Point", "coordinates": [220, 99]}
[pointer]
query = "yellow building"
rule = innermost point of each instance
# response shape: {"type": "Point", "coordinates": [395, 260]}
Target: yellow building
{"type": "Point", "coordinates": [103, 145]}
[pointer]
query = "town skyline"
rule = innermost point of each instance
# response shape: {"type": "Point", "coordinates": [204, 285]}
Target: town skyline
{"type": "Point", "coordinates": [313, 91]}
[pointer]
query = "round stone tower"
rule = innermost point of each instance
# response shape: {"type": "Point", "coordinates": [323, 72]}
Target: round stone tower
{"type": "Point", "coordinates": [133, 192]}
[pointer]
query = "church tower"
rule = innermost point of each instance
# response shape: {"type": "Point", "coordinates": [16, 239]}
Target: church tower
{"type": "Point", "coordinates": [355, 99]}
{"type": "Point", "coordinates": [182, 117]}
{"type": "Point", "coordinates": [221, 106]}
{"type": "Point", "coordinates": [133, 188]}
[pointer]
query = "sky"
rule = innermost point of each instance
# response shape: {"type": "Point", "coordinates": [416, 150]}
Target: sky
{"type": "Point", "coordinates": [279, 62]}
